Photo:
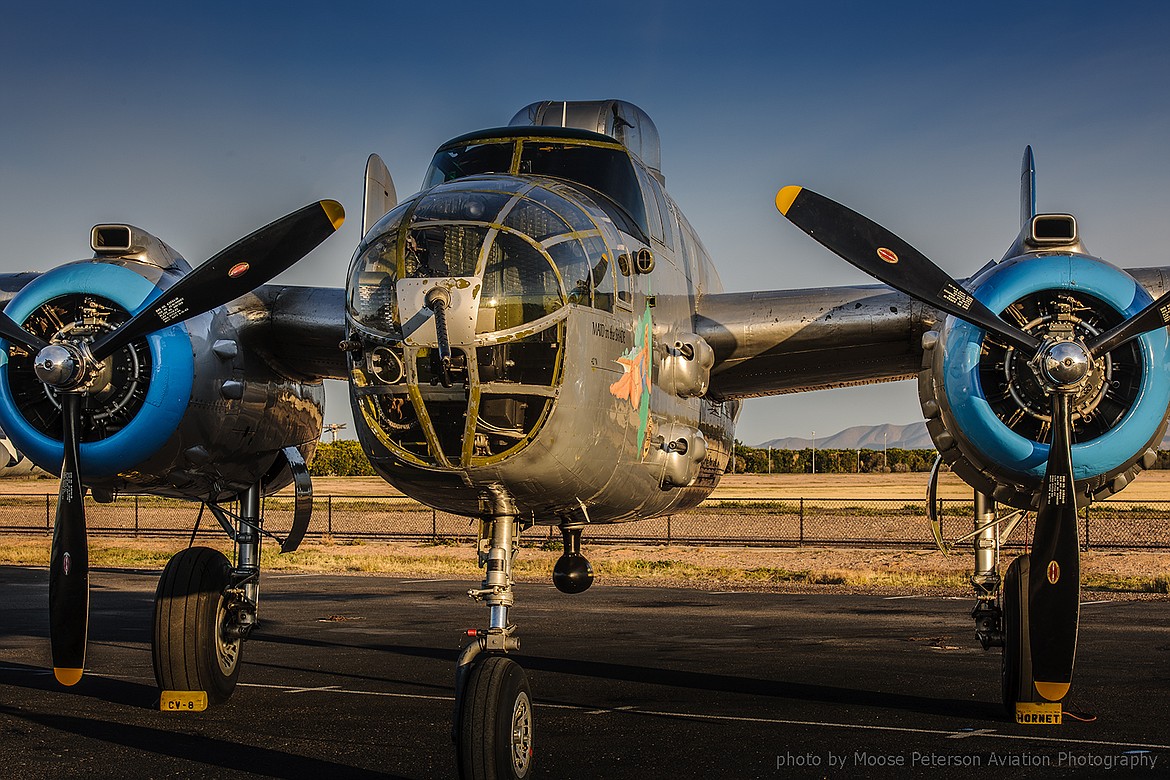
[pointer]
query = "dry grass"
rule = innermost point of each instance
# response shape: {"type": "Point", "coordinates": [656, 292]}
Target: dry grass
{"type": "Point", "coordinates": [756, 568]}
{"type": "Point", "coordinates": [1150, 486]}
{"type": "Point", "coordinates": [718, 567]}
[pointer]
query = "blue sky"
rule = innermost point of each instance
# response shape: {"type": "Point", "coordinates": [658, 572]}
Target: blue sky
{"type": "Point", "coordinates": [202, 122]}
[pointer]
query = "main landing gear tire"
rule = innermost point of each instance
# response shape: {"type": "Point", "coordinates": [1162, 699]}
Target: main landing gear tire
{"type": "Point", "coordinates": [1017, 643]}
{"type": "Point", "coordinates": [495, 722]}
{"type": "Point", "coordinates": [193, 647]}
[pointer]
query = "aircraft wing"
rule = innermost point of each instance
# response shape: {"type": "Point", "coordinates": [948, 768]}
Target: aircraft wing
{"type": "Point", "coordinates": [791, 341]}
{"type": "Point", "coordinates": [788, 341]}
{"type": "Point", "coordinates": [297, 329]}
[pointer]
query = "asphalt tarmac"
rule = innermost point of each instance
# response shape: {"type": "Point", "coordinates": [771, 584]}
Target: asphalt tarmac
{"type": "Point", "coordinates": [352, 676]}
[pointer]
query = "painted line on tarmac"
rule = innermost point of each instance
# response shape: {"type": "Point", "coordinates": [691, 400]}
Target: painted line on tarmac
{"type": "Point", "coordinates": [631, 710]}
{"type": "Point", "coordinates": [335, 689]}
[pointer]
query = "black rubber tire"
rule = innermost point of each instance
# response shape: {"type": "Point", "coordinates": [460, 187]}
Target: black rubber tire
{"type": "Point", "coordinates": [1017, 647]}
{"type": "Point", "coordinates": [190, 650]}
{"type": "Point", "coordinates": [495, 722]}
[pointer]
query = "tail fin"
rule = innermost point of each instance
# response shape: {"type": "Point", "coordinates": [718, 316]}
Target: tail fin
{"type": "Point", "coordinates": [1027, 188]}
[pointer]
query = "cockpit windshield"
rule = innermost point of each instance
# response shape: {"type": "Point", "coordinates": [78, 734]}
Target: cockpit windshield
{"type": "Point", "coordinates": [605, 168]}
{"type": "Point", "coordinates": [532, 246]}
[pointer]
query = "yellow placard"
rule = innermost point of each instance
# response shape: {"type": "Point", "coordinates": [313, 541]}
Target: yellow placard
{"type": "Point", "coordinates": [1038, 713]}
{"type": "Point", "coordinates": [183, 701]}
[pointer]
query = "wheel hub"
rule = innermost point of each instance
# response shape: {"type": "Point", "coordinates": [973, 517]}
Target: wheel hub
{"type": "Point", "coordinates": [522, 734]}
{"type": "Point", "coordinates": [227, 649]}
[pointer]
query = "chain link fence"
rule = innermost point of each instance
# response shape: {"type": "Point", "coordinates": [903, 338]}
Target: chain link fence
{"type": "Point", "coordinates": [782, 522]}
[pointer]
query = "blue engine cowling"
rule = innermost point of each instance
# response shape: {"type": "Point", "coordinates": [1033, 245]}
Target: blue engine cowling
{"type": "Point", "coordinates": [168, 382]}
{"type": "Point", "coordinates": [985, 411]}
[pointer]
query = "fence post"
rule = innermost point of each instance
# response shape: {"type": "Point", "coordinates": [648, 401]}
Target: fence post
{"type": "Point", "coordinates": [48, 527]}
{"type": "Point", "coordinates": [1086, 526]}
{"type": "Point", "coordinates": [668, 518]}
{"type": "Point", "coordinates": [329, 516]}
{"type": "Point", "coordinates": [434, 527]}
{"type": "Point", "coordinates": [135, 517]}
{"type": "Point", "coordinates": [800, 543]}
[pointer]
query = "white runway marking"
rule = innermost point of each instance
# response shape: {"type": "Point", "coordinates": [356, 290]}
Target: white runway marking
{"type": "Point", "coordinates": [631, 710]}
{"type": "Point", "coordinates": [971, 733]}
{"type": "Point", "coordinates": [696, 716]}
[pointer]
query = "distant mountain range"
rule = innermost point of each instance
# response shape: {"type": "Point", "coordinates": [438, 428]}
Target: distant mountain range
{"type": "Point", "coordinates": [870, 437]}
{"type": "Point", "coordinates": [866, 437]}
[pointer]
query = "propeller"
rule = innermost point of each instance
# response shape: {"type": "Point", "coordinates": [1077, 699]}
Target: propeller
{"type": "Point", "coordinates": [10, 331]}
{"type": "Point", "coordinates": [69, 367]}
{"type": "Point", "coordinates": [1154, 316]}
{"type": "Point", "coordinates": [886, 257]}
{"type": "Point", "coordinates": [1054, 581]}
{"type": "Point", "coordinates": [69, 559]}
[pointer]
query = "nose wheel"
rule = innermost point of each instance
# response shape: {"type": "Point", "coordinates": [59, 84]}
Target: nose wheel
{"type": "Point", "coordinates": [494, 728]}
{"type": "Point", "coordinates": [494, 724]}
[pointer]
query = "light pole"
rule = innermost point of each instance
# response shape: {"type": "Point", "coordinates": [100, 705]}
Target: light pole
{"type": "Point", "coordinates": [769, 460]}
{"type": "Point", "coordinates": [859, 460]}
{"type": "Point", "coordinates": [814, 452]}
{"type": "Point", "coordinates": [885, 463]}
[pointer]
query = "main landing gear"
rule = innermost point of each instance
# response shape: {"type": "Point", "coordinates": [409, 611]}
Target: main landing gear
{"type": "Point", "coordinates": [1006, 624]}
{"type": "Point", "coordinates": [205, 609]}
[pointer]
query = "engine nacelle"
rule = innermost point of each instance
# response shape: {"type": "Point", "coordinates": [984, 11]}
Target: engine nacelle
{"type": "Point", "coordinates": [984, 401]}
{"type": "Point", "coordinates": [189, 410]}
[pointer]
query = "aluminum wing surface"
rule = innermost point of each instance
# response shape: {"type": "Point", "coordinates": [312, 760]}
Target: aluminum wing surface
{"type": "Point", "coordinates": [789, 341]}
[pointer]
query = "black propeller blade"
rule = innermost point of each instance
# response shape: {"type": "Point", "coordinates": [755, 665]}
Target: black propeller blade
{"type": "Point", "coordinates": [11, 331]}
{"type": "Point", "coordinates": [1054, 583]}
{"type": "Point", "coordinates": [243, 266]}
{"type": "Point", "coordinates": [881, 254]}
{"type": "Point", "coordinates": [69, 559]}
{"type": "Point", "coordinates": [1154, 316]}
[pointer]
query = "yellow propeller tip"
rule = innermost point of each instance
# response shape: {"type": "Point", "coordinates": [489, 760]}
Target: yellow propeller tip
{"type": "Point", "coordinates": [1053, 691]}
{"type": "Point", "coordinates": [67, 676]}
{"type": "Point", "coordinates": [785, 197]}
{"type": "Point", "coordinates": [334, 212]}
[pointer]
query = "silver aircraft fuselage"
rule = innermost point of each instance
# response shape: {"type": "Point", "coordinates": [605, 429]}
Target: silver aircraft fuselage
{"type": "Point", "coordinates": [577, 379]}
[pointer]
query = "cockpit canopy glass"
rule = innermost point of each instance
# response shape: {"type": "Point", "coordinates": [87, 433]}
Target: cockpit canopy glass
{"type": "Point", "coordinates": [605, 168]}
{"type": "Point", "coordinates": [536, 245]}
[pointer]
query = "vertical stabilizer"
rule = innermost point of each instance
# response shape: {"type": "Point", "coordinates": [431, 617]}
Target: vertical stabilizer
{"type": "Point", "coordinates": [380, 194]}
{"type": "Point", "coordinates": [1027, 188]}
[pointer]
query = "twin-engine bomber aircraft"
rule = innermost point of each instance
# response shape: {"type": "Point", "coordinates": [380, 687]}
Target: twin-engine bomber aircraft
{"type": "Point", "coordinates": [539, 337]}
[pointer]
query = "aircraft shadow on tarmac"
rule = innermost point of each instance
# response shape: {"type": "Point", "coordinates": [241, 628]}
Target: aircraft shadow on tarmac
{"type": "Point", "coordinates": [781, 689]}
{"type": "Point", "coordinates": [190, 747]}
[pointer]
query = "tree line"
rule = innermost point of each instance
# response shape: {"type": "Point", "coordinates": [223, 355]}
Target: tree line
{"type": "Point", "coordinates": [761, 460]}
{"type": "Point", "coordinates": [345, 458]}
